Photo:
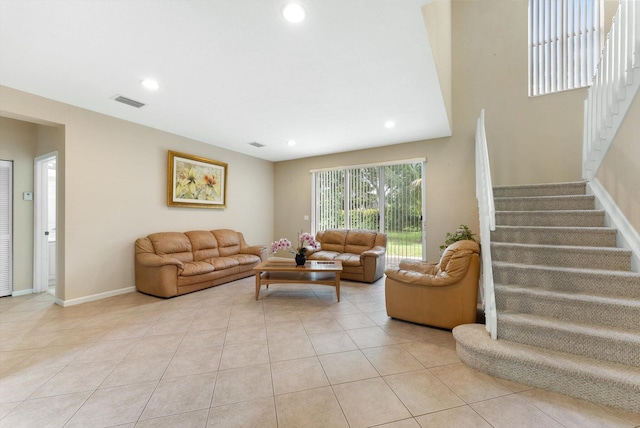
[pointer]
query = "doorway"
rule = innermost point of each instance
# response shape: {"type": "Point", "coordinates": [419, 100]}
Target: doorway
{"type": "Point", "coordinates": [45, 199]}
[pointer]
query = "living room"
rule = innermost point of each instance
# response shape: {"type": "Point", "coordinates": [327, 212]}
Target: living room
{"type": "Point", "coordinates": [112, 173]}
{"type": "Point", "coordinates": [102, 213]}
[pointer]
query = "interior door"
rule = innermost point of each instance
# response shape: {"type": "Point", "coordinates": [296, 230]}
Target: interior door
{"type": "Point", "coordinates": [44, 223]}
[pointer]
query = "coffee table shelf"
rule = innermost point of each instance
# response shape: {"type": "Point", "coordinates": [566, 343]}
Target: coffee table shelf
{"type": "Point", "coordinates": [286, 272]}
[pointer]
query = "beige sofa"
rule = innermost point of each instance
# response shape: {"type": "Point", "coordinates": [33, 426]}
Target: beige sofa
{"type": "Point", "coordinates": [169, 264]}
{"type": "Point", "coordinates": [443, 294]}
{"type": "Point", "coordinates": [362, 252]}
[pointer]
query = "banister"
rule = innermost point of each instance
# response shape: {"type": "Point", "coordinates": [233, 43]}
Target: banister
{"type": "Point", "coordinates": [614, 87]}
{"type": "Point", "coordinates": [486, 208]}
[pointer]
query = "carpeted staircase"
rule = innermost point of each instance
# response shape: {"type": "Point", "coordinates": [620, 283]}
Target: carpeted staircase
{"type": "Point", "coordinates": [568, 304]}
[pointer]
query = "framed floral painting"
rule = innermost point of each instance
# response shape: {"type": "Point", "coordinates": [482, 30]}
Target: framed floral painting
{"type": "Point", "coordinates": [198, 182]}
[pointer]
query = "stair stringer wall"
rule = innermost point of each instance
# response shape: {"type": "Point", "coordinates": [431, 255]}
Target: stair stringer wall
{"type": "Point", "coordinates": [627, 236]}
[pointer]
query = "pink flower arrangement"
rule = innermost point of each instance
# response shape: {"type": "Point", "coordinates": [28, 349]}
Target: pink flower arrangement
{"type": "Point", "coordinates": [285, 244]}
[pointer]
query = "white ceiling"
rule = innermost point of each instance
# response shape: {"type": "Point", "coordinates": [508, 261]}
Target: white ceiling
{"type": "Point", "coordinates": [234, 71]}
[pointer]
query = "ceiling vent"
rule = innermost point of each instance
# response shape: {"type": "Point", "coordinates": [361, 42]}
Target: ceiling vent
{"type": "Point", "coordinates": [255, 144]}
{"type": "Point", "coordinates": [128, 101]}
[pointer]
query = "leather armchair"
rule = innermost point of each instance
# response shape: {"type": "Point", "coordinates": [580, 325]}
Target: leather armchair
{"type": "Point", "coordinates": [443, 294]}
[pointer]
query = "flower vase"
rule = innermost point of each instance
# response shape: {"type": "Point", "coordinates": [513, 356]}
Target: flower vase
{"type": "Point", "coordinates": [300, 259]}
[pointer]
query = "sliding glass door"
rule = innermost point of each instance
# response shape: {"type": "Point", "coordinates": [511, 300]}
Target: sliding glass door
{"type": "Point", "coordinates": [403, 212]}
{"type": "Point", "coordinates": [382, 197]}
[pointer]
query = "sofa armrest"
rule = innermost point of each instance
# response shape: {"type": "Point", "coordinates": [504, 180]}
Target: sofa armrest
{"type": "Point", "coordinates": [311, 250]}
{"type": "Point", "coordinates": [417, 278]}
{"type": "Point", "coordinates": [374, 252]}
{"type": "Point", "coordinates": [420, 266]}
{"type": "Point", "coordinates": [154, 260]}
{"type": "Point", "coordinates": [257, 250]}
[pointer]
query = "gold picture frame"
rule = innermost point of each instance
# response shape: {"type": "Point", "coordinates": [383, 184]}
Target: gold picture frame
{"type": "Point", "coordinates": [195, 182]}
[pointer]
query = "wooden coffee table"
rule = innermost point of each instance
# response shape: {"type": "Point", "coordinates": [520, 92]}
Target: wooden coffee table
{"type": "Point", "coordinates": [286, 272]}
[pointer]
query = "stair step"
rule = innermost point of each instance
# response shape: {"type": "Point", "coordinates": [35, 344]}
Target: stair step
{"type": "Point", "coordinates": [579, 308]}
{"type": "Point", "coordinates": [551, 203]}
{"type": "Point", "coordinates": [602, 382]}
{"type": "Point", "coordinates": [596, 282]}
{"type": "Point", "coordinates": [608, 344]}
{"type": "Point", "coordinates": [578, 236]}
{"type": "Point", "coordinates": [606, 258]}
{"type": "Point", "coordinates": [579, 218]}
{"type": "Point", "coordinates": [547, 189]}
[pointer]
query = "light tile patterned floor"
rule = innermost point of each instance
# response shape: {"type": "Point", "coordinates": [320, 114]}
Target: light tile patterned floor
{"type": "Point", "coordinates": [219, 358]}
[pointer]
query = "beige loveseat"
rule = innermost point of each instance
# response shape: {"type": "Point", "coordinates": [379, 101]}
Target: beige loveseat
{"type": "Point", "coordinates": [362, 252]}
{"type": "Point", "coordinates": [169, 264]}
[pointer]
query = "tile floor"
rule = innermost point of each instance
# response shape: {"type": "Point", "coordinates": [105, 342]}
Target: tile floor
{"type": "Point", "coordinates": [219, 358]}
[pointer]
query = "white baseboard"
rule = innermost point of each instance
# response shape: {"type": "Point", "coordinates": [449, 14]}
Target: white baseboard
{"type": "Point", "coordinates": [94, 297]}
{"type": "Point", "coordinates": [22, 292]}
{"type": "Point", "coordinates": [627, 236]}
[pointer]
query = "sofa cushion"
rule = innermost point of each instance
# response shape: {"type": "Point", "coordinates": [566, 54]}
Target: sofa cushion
{"type": "Point", "coordinates": [172, 244]}
{"type": "Point", "coordinates": [359, 241]}
{"type": "Point", "coordinates": [221, 263]}
{"type": "Point", "coordinates": [197, 268]}
{"type": "Point", "coordinates": [228, 241]}
{"type": "Point", "coordinates": [246, 259]}
{"type": "Point", "coordinates": [333, 240]}
{"type": "Point", "coordinates": [204, 244]}
{"type": "Point", "coordinates": [324, 255]}
{"type": "Point", "coordinates": [349, 259]}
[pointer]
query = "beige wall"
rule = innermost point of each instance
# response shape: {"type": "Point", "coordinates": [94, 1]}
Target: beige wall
{"type": "Point", "coordinates": [620, 171]}
{"type": "Point", "coordinates": [115, 175]}
{"type": "Point", "coordinates": [531, 140]}
{"type": "Point", "coordinates": [18, 141]}
{"type": "Point", "coordinates": [437, 20]}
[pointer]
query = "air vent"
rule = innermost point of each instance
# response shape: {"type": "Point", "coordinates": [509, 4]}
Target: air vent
{"type": "Point", "coordinates": [128, 101]}
{"type": "Point", "coordinates": [255, 144]}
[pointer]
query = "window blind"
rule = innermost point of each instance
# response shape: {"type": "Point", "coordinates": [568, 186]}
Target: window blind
{"type": "Point", "coordinates": [565, 39]}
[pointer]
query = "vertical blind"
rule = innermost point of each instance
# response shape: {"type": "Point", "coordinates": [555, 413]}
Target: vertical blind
{"type": "Point", "coordinates": [382, 197]}
{"type": "Point", "coordinates": [329, 204]}
{"type": "Point", "coordinates": [565, 40]}
{"type": "Point", "coordinates": [6, 210]}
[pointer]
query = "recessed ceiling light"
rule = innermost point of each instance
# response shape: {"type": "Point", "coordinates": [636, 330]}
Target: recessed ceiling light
{"type": "Point", "coordinates": [150, 84]}
{"type": "Point", "coordinates": [291, 142]}
{"type": "Point", "coordinates": [389, 124]}
{"type": "Point", "coordinates": [293, 12]}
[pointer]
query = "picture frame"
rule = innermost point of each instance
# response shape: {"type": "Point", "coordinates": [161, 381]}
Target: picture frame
{"type": "Point", "coordinates": [195, 182]}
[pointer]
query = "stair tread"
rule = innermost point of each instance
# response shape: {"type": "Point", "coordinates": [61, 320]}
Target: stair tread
{"type": "Point", "coordinates": [557, 197]}
{"type": "Point", "coordinates": [541, 185]}
{"type": "Point", "coordinates": [589, 229]}
{"type": "Point", "coordinates": [551, 212]}
{"type": "Point", "coordinates": [565, 247]}
{"type": "Point", "coordinates": [475, 335]}
{"type": "Point", "coordinates": [597, 272]}
{"type": "Point", "coordinates": [586, 298]}
{"type": "Point", "coordinates": [572, 326]}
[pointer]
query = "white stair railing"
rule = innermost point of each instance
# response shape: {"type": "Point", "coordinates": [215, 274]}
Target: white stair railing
{"type": "Point", "coordinates": [614, 87]}
{"type": "Point", "coordinates": [486, 207]}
